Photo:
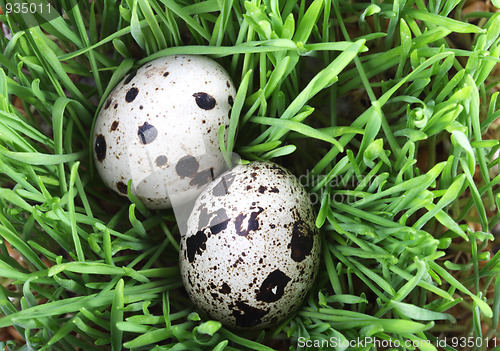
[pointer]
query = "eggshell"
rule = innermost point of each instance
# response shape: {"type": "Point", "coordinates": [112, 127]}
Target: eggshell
{"type": "Point", "coordinates": [251, 251]}
{"type": "Point", "coordinates": [159, 127]}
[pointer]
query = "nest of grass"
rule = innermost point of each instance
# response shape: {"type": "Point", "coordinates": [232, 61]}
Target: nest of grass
{"type": "Point", "coordinates": [386, 111]}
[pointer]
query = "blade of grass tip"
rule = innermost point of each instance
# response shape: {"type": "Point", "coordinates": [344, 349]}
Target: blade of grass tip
{"type": "Point", "coordinates": [116, 316]}
{"type": "Point", "coordinates": [496, 309]}
{"type": "Point", "coordinates": [169, 236]}
{"type": "Point", "coordinates": [244, 341]}
{"type": "Point", "coordinates": [107, 62]}
{"type": "Point", "coordinates": [179, 11]}
{"type": "Point", "coordinates": [278, 152]}
{"type": "Point", "coordinates": [325, 205]}
{"type": "Point", "coordinates": [397, 6]}
{"type": "Point", "coordinates": [378, 108]}
{"type": "Point", "coordinates": [136, 224]}
{"type": "Point", "coordinates": [236, 111]}
{"type": "Point", "coordinates": [35, 158]}
{"type": "Point", "coordinates": [61, 333]}
{"type": "Point", "coordinates": [451, 194]}
{"type": "Point", "coordinates": [153, 24]}
{"type": "Point", "coordinates": [422, 283]}
{"type": "Point", "coordinates": [371, 130]}
{"type": "Point", "coordinates": [308, 22]}
{"type": "Point", "coordinates": [135, 27]}
{"type": "Point", "coordinates": [51, 64]}
{"type": "Point", "coordinates": [483, 306]}
{"type": "Point", "coordinates": [448, 23]}
{"type": "Point", "coordinates": [263, 80]}
{"type": "Point", "coordinates": [492, 115]}
{"type": "Point", "coordinates": [475, 260]}
{"type": "Point", "coordinates": [258, 20]}
{"type": "Point", "coordinates": [299, 128]}
{"type": "Point", "coordinates": [151, 337]}
{"type": "Point", "coordinates": [57, 128]}
{"type": "Point", "coordinates": [15, 240]}
{"type": "Point", "coordinates": [365, 116]}
{"type": "Point", "coordinates": [72, 214]}
{"type": "Point", "coordinates": [406, 43]}
{"type": "Point", "coordinates": [11, 136]}
{"type": "Point", "coordinates": [221, 346]}
{"type": "Point", "coordinates": [106, 246]}
{"type": "Point", "coordinates": [92, 24]}
{"type": "Point", "coordinates": [476, 129]}
{"type": "Point", "coordinates": [84, 328]}
{"type": "Point", "coordinates": [166, 310]}
{"type": "Point", "coordinates": [414, 312]}
{"type": "Point", "coordinates": [366, 275]}
{"type": "Point", "coordinates": [221, 136]}
{"type": "Point", "coordinates": [339, 168]}
{"type": "Point", "coordinates": [259, 148]}
{"type": "Point", "coordinates": [324, 79]}
{"type": "Point", "coordinates": [77, 15]}
{"type": "Point", "coordinates": [407, 288]}
{"type": "Point", "coordinates": [83, 197]}
{"type": "Point", "coordinates": [476, 197]}
{"type": "Point", "coordinates": [9, 195]}
{"type": "Point", "coordinates": [332, 272]}
{"type": "Point", "coordinates": [172, 25]}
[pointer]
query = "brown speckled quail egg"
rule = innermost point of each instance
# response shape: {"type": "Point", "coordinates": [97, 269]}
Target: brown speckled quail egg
{"type": "Point", "coordinates": [251, 251]}
{"type": "Point", "coordinates": [159, 127]}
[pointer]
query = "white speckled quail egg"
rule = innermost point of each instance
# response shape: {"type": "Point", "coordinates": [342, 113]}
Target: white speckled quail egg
{"type": "Point", "coordinates": [159, 127]}
{"type": "Point", "coordinates": [251, 251]}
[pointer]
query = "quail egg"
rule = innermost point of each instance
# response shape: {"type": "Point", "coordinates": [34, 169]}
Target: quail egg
{"type": "Point", "coordinates": [251, 251]}
{"type": "Point", "coordinates": [159, 127]}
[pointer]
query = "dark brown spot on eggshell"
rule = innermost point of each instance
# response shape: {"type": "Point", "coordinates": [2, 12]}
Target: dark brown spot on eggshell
{"type": "Point", "coordinates": [203, 177]}
{"type": "Point", "coordinates": [122, 187]}
{"type": "Point", "coordinates": [219, 221]}
{"type": "Point", "coordinates": [302, 241]}
{"type": "Point", "coordinates": [114, 125]}
{"type": "Point", "coordinates": [196, 244]}
{"type": "Point", "coordinates": [147, 133]}
{"type": "Point", "coordinates": [161, 160]}
{"type": "Point", "coordinates": [203, 219]}
{"type": "Point", "coordinates": [187, 166]}
{"type": "Point", "coordinates": [225, 289]}
{"type": "Point", "coordinates": [166, 74]}
{"type": "Point", "coordinates": [273, 287]}
{"type": "Point", "coordinates": [130, 77]}
{"type": "Point", "coordinates": [230, 100]}
{"type": "Point", "coordinates": [107, 104]}
{"type": "Point", "coordinates": [131, 94]}
{"type": "Point", "coordinates": [253, 223]}
{"type": "Point", "coordinates": [222, 187]}
{"type": "Point", "coordinates": [100, 147]}
{"type": "Point", "coordinates": [277, 168]}
{"type": "Point", "coordinates": [204, 101]}
{"type": "Point", "coordinates": [215, 296]}
{"type": "Point", "coordinates": [262, 189]}
{"type": "Point", "coordinates": [246, 315]}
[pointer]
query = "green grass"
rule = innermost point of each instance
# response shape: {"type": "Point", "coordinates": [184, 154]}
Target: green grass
{"type": "Point", "coordinates": [385, 110]}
